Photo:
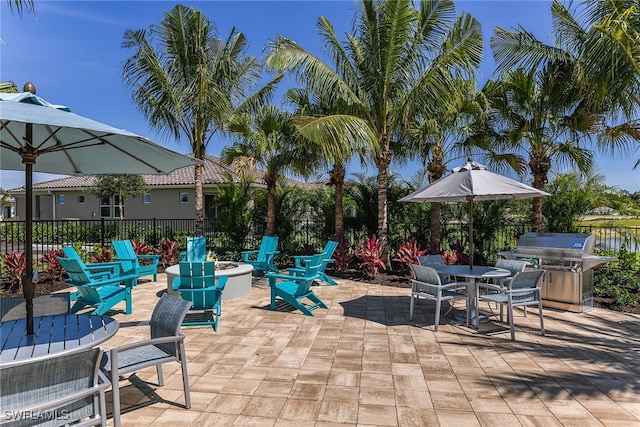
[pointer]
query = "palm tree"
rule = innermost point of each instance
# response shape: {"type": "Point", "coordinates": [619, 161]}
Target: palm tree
{"type": "Point", "coordinates": [451, 130]}
{"type": "Point", "coordinates": [187, 81]}
{"type": "Point", "coordinates": [22, 6]}
{"type": "Point", "coordinates": [590, 78]}
{"type": "Point", "coordinates": [537, 114]}
{"type": "Point", "coordinates": [401, 59]}
{"type": "Point", "coordinates": [332, 151]}
{"type": "Point", "coordinates": [269, 141]}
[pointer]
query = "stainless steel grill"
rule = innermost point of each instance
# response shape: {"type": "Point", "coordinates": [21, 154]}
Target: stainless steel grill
{"type": "Point", "coordinates": [569, 262]}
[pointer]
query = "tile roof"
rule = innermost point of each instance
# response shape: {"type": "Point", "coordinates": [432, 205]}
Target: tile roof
{"type": "Point", "coordinates": [214, 172]}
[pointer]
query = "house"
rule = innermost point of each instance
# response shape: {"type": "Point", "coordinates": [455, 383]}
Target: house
{"type": "Point", "coordinates": [170, 196]}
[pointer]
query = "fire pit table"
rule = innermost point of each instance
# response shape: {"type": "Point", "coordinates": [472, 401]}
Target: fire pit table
{"type": "Point", "coordinates": [238, 282]}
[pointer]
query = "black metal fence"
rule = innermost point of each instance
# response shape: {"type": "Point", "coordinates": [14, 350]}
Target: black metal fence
{"type": "Point", "coordinates": [54, 234]}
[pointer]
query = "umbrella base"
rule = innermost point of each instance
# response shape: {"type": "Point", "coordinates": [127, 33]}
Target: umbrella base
{"type": "Point", "coordinates": [461, 316]}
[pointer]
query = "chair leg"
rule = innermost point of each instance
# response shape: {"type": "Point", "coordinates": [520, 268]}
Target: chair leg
{"type": "Point", "coordinates": [185, 376]}
{"type": "Point", "coordinates": [160, 376]}
{"type": "Point", "coordinates": [437, 321]}
{"type": "Point", "coordinates": [115, 388]}
{"type": "Point", "coordinates": [511, 325]}
{"type": "Point", "coordinates": [541, 318]}
{"type": "Point", "coordinates": [411, 306]}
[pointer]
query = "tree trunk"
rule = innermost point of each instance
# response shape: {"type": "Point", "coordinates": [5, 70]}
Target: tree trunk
{"type": "Point", "coordinates": [540, 167]}
{"type": "Point", "coordinates": [382, 161]}
{"type": "Point", "coordinates": [199, 196]}
{"type": "Point", "coordinates": [436, 169]}
{"type": "Point", "coordinates": [337, 180]}
{"type": "Point", "coordinates": [270, 179]}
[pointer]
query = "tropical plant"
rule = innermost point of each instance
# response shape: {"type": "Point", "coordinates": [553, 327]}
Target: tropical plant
{"type": "Point", "coordinates": [15, 264]}
{"type": "Point", "coordinates": [573, 196]}
{"type": "Point", "coordinates": [101, 254]}
{"type": "Point", "coordinates": [187, 81]}
{"type": "Point", "coordinates": [269, 141]}
{"type": "Point", "coordinates": [22, 6]}
{"type": "Point", "coordinates": [232, 203]}
{"type": "Point", "coordinates": [370, 254]}
{"type": "Point", "coordinates": [452, 131]}
{"type": "Point", "coordinates": [342, 256]}
{"type": "Point", "coordinates": [455, 254]}
{"type": "Point", "coordinates": [54, 268]}
{"type": "Point", "coordinates": [169, 250]}
{"type": "Point", "coordinates": [585, 87]}
{"type": "Point", "coordinates": [409, 252]}
{"type": "Point", "coordinates": [140, 247]}
{"type": "Point", "coordinates": [331, 151]}
{"type": "Point", "coordinates": [400, 60]}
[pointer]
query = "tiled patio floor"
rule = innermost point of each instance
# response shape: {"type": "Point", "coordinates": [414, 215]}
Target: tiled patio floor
{"type": "Point", "coordinates": [362, 362]}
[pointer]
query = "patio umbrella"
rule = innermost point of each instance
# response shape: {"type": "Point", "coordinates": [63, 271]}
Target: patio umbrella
{"type": "Point", "coordinates": [41, 137]}
{"type": "Point", "coordinates": [468, 183]}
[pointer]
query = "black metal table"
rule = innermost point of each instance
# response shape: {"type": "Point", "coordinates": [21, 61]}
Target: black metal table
{"type": "Point", "coordinates": [65, 333]}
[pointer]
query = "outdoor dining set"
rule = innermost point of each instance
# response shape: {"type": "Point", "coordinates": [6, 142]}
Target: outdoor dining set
{"type": "Point", "coordinates": [34, 369]}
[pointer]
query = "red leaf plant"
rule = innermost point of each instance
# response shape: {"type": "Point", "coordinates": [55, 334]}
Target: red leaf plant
{"type": "Point", "coordinates": [54, 268]}
{"type": "Point", "coordinates": [409, 252]}
{"type": "Point", "coordinates": [370, 256]}
{"type": "Point", "coordinates": [342, 255]}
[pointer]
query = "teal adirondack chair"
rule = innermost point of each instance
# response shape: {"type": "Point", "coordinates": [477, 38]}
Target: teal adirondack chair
{"type": "Point", "coordinates": [198, 283]}
{"type": "Point", "coordinates": [131, 261]}
{"type": "Point", "coordinates": [100, 293]}
{"type": "Point", "coordinates": [295, 289]}
{"type": "Point", "coordinates": [95, 270]}
{"type": "Point", "coordinates": [300, 261]}
{"type": "Point", "coordinates": [196, 250]}
{"type": "Point", "coordinates": [262, 259]}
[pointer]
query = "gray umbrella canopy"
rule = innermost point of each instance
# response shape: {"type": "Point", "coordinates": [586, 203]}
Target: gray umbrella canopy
{"type": "Point", "coordinates": [468, 183]}
{"type": "Point", "coordinates": [38, 136]}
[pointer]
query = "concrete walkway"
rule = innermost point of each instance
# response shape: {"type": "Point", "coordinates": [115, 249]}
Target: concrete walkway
{"type": "Point", "coordinates": [363, 363]}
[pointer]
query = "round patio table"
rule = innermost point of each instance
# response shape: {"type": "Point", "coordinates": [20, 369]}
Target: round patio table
{"type": "Point", "coordinates": [52, 335]}
{"type": "Point", "coordinates": [471, 274]}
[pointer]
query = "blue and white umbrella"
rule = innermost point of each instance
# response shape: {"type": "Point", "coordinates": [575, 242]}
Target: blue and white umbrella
{"type": "Point", "coordinates": [37, 136]}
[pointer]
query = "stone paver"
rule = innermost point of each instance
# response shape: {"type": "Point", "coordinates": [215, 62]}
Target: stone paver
{"type": "Point", "coordinates": [363, 363]}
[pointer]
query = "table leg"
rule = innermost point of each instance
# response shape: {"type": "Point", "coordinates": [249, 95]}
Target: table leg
{"type": "Point", "coordinates": [472, 305]}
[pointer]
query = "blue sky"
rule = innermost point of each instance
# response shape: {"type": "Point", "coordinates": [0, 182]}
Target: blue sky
{"type": "Point", "coordinates": [71, 51]}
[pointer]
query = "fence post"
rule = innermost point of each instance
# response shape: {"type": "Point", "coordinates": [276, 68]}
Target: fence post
{"type": "Point", "coordinates": [102, 232]}
{"type": "Point", "coordinates": [155, 236]}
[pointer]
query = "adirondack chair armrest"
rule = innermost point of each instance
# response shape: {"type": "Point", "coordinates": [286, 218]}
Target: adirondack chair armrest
{"type": "Point", "coordinates": [150, 256]}
{"type": "Point", "coordinates": [126, 259]}
{"type": "Point", "coordinates": [111, 268]}
{"type": "Point", "coordinates": [274, 276]}
{"type": "Point", "coordinates": [247, 254]}
{"type": "Point", "coordinates": [296, 270]}
{"type": "Point", "coordinates": [299, 259]}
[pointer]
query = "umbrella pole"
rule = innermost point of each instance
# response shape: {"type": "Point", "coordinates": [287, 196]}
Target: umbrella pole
{"type": "Point", "coordinates": [28, 288]}
{"type": "Point", "coordinates": [471, 246]}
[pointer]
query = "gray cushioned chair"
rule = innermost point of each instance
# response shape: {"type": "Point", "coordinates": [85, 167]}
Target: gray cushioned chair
{"type": "Point", "coordinates": [166, 345]}
{"type": "Point", "coordinates": [522, 291]}
{"type": "Point", "coordinates": [426, 283]}
{"type": "Point", "coordinates": [65, 389]}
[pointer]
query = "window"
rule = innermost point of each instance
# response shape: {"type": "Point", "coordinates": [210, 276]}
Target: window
{"type": "Point", "coordinates": [184, 197]}
{"type": "Point", "coordinates": [146, 198]}
{"type": "Point", "coordinates": [116, 206]}
{"type": "Point", "coordinates": [105, 207]}
{"type": "Point", "coordinates": [81, 199]}
{"type": "Point", "coordinates": [61, 199]}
